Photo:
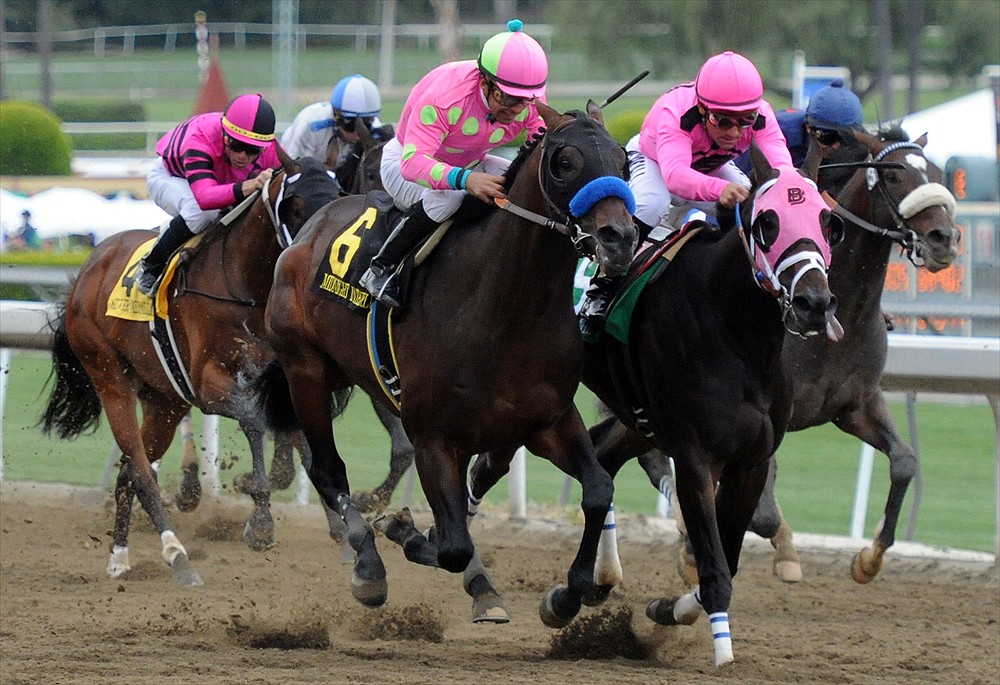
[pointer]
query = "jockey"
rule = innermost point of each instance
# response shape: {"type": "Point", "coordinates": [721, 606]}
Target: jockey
{"type": "Point", "coordinates": [209, 162]}
{"type": "Point", "coordinates": [685, 149]}
{"type": "Point", "coordinates": [321, 123]}
{"type": "Point", "coordinates": [452, 118]}
{"type": "Point", "coordinates": [832, 111]}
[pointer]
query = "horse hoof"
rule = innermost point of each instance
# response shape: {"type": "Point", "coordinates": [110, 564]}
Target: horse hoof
{"type": "Point", "coordinates": [788, 571]}
{"type": "Point", "coordinates": [189, 496]}
{"type": "Point", "coordinates": [661, 612]}
{"type": "Point", "coordinates": [365, 502]}
{"type": "Point", "coordinates": [243, 484]}
{"type": "Point", "coordinates": [489, 608]}
{"type": "Point", "coordinates": [184, 573]}
{"type": "Point", "coordinates": [371, 593]}
{"type": "Point", "coordinates": [548, 611]}
{"type": "Point", "coordinates": [864, 567]}
{"type": "Point", "coordinates": [597, 596]}
{"type": "Point", "coordinates": [258, 536]}
{"type": "Point", "coordinates": [396, 527]}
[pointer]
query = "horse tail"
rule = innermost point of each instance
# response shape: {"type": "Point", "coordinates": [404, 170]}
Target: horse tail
{"type": "Point", "coordinates": [74, 406]}
{"type": "Point", "coordinates": [274, 399]}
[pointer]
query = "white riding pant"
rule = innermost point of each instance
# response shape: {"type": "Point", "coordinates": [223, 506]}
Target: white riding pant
{"type": "Point", "coordinates": [174, 196]}
{"type": "Point", "coordinates": [438, 204]}
{"type": "Point", "coordinates": [653, 200]}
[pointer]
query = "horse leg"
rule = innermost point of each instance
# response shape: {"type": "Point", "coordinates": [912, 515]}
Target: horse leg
{"type": "Point", "coordinates": [118, 562]}
{"type": "Point", "coordinates": [696, 496]}
{"type": "Point", "coordinates": [568, 446]}
{"type": "Point", "coordinates": [399, 461]}
{"type": "Point", "coordinates": [189, 495]}
{"type": "Point", "coordinates": [769, 523]}
{"type": "Point", "coordinates": [282, 464]}
{"type": "Point", "coordinates": [442, 476]}
{"type": "Point", "coordinates": [310, 378]}
{"type": "Point", "coordinates": [872, 422]}
{"type": "Point", "coordinates": [338, 531]}
{"type": "Point", "coordinates": [258, 532]}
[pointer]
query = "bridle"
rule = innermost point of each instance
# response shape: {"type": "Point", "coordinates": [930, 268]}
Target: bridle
{"type": "Point", "coordinates": [926, 195]}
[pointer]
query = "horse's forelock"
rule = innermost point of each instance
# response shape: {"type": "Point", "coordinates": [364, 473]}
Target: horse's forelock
{"type": "Point", "coordinates": [893, 134]}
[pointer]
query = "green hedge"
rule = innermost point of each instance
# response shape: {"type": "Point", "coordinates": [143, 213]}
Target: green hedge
{"type": "Point", "coordinates": [32, 142]}
{"type": "Point", "coordinates": [103, 110]}
{"type": "Point", "coordinates": [625, 125]}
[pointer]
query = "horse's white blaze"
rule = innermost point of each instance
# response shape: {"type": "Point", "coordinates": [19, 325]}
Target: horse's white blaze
{"type": "Point", "coordinates": [171, 546]}
{"type": "Point", "coordinates": [608, 567]}
{"type": "Point", "coordinates": [917, 161]}
{"type": "Point", "coordinates": [721, 638]}
{"type": "Point", "coordinates": [118, 562]}
{"type": "Point", "coordinates": [688, 608]}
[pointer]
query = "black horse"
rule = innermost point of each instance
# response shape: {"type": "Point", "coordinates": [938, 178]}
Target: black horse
{"type": "Point", "coordinates": [894, 198]}
{"type": "Point", "coordinates": [489, 351]}
{"type": "Point", "coordinates": [701, 376]}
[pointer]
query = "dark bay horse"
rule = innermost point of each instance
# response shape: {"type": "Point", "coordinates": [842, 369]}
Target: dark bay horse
{"type": "Point", "coordinates": [489, 353]}
{"type": "Point", "coordinates": [702, 376]}
{"type": "Point", "coordinates": [895, 198]}
{"type": "Point", "coordinates": [216, 318]}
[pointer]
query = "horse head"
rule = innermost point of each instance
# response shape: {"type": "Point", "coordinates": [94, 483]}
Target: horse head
{"type": "Point", "coordinates": [582, 178]}
{"type": "Point", "coordinates": [306, 188]}
{"type": "Point", "coordinates": [905, 192]}
{"type": "Point", "coordinates": [791, 230]}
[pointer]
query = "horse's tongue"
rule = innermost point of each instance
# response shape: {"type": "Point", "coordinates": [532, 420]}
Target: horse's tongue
{"type": "Point", "coordinates": [834, 331]}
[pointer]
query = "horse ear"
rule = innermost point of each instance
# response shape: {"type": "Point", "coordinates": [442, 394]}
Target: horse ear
{"type": "Point", "coordinates": [332, 153]}
{"type": "Point", "coordinates": [595, 112]}
{"type": "Point", "coordinates": [762, 168]}
{"type": "Point", "coordinates": [364, 134]}
{"type": "Point", "coordinates": [287, 163]}
{"type": "Point", "coordinates": [922, 140]}
{"type": "Point", "coordinates": [814, 155]}
{"type": "Point", "coordinates": [549, 115]}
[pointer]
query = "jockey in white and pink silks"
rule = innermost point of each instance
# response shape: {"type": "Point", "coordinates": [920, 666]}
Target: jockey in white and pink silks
{"type": "Point", "coordinates": [452, 118]}
{"type": "Point", "coordinates": [205, 164]}
{"type": "Point", "coordinates": [684, 153]}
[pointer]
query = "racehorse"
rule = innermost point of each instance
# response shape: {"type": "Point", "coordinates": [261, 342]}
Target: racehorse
{"type": "Point", "coordinates": [701, 376]}
{"type": "Point", "coordinates": [489, 354]}
{"type": "Point", "coordinates": [215, 320]}
{"type": "Point", "coordinates": [894, 199]}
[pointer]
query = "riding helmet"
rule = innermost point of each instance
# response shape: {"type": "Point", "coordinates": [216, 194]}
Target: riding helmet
{"type": "Point", "coordinates": [356, 96]}
{"type": "Point", "coordinates": [834, 107]}
{"type": "Point", "coordinates": [729, 82]}
{"type": "Point", "coordinates": [515, 61]}
{"type": "Point", "coordinates": [249, 119]}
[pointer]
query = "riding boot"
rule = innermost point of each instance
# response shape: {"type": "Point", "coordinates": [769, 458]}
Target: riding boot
{"type": "Point", "coordinates": [596, 304]}
{"type": "Point", "coordinates": [152, 265]}
{"type": "Point", "coordinates": [380, 278]}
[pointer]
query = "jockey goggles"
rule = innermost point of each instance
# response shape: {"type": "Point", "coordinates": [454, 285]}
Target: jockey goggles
{"type": "Point", "coordinates": [347, 125]}
{"type": "Point", "coordinates": [727, 121]}
{"type": "Point", "coordinates": [826, 137]}
{"type": "Point", "coordinates": [239, 146]}
{"type": "Point", "coordinates": [503, 99]}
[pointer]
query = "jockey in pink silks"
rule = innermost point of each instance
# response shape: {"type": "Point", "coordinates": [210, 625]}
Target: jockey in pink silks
{"type": "Point", "coordinates": [685, 150]}
{"type": "Point", "coordinates": [205, 164]}
{"type": "Point", "coordinates": [452, 118]}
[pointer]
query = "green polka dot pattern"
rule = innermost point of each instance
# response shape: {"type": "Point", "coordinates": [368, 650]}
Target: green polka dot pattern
{"type": "Point", "coordinates": [428, 114]}
{"type": "Point", "coordinates": [470, 126]}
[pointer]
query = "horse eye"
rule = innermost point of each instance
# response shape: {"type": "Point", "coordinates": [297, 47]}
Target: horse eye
{"type": "Point", "coordinates": [765, 229]}
{"type": "Point", "coordinates": [834, 228]}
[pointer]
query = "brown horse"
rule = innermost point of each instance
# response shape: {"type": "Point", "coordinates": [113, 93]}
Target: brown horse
{"type": "Point", "coordinates": [216, 312]}
{"type": "Point", "coordinates": [489, 353]}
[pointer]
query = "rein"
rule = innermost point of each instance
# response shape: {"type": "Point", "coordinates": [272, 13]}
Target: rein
{"type": "Point", "coordinates": [767, 278]}
{"type": "Point", "coordinates": [922, 197]}
{"type": "Point", "coordinates": [281, 233]}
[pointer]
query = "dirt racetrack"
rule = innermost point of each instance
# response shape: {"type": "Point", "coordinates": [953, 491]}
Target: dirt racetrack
{"type": "Point", "coordinates": [286, 615]}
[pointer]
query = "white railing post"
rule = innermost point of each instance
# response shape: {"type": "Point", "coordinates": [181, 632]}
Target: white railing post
{"type": "Point", "coordinates": [862, 489]}
{"type": "Point", "coordinates": [210, 451]}
{"type": "Point", "coordinates": [4, 375]}
{"type": "Point", "coordinates": [517, 498]}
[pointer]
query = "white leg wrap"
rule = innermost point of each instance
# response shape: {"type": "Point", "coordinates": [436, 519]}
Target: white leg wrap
{"type": "Point", "coordinates": [171, 546]}
{"type": "Point", "coordinates": [608, 567]}
{"type": "Point", "coordinates": [118, 562]}
{"type": "Point", "coordinates": [687, 608]}
{"type": "Point", "coordinates": [721, 637]}
{"type": "Point", "coordinates": [473, 505]}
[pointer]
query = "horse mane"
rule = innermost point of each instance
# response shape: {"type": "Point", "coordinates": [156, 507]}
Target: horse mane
{"type": "Point", "coordinates": [523, 153]}
{"type": "Point", "coordinates": [893, 134]}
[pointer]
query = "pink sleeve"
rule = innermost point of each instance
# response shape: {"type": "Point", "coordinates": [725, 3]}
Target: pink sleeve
{"type": "Point", "coordinates": [771, 141]}
{"type": "Point", "coordinates": [419, 164]}
{"type": "Point", "coordinates": [673, 154]}
{"type": "Point", "coordinates": [211, 195]}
